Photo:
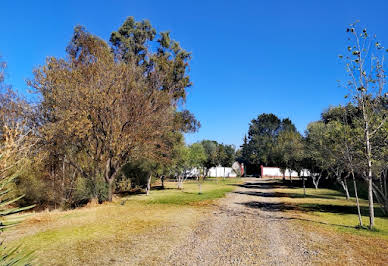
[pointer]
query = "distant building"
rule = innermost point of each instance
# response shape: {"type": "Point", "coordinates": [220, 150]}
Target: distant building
{"type": "Point", "coordinates": [276, 172]}
{"type": "Point", "coordinates": [218, 171]}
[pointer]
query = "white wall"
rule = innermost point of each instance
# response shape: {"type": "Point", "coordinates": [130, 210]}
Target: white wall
{"type": "Point", "coordinates": [218, 171]}
{"type": "Point", "coordinates": [275, 171]}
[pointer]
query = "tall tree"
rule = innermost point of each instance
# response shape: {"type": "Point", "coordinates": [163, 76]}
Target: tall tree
{"type": "Point", "coordinates": [262, 135]}
{"type": "Point", "coordinates": [367, 90]}
{"type": "Point", "coordinates": [102, 109]}
{"type": "Point", "coordinates": [156, 52]}
{"type": "Point", "coordinates": [211, 151]}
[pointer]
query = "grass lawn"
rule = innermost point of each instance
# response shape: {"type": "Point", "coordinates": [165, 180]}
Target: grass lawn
{"type": "Point", "coordinates": [115, 232]}
{"type": "Point", "coordinates": [327, 211]}
{"type": "Point", "coordinates": [331, 208]}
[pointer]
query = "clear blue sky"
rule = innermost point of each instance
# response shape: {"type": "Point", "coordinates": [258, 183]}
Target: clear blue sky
{"type": "Point", "coordinates": [249, 57]}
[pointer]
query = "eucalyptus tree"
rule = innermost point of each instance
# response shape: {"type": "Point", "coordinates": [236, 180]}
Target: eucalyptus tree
{"type": "Point", "coordinates": [102, 109]}
{"type": "Point", "coordinates": [155, 52]}
{"type": "Point", "coordinates": [367, 91]}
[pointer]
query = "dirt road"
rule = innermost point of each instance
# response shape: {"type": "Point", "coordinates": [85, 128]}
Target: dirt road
{"type": "Point", "coordinates": [250, 227]}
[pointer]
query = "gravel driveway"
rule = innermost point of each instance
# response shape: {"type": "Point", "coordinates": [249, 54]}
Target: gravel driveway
{"type": "Point", "coordinates": [249, 227]}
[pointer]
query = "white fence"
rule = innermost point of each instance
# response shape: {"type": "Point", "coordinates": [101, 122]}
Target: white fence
{"type": "Point", "coordinates": [276, 172]}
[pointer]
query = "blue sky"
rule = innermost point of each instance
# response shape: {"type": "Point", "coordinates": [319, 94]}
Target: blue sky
{"type": "Point", "coordinates": [249, 57]}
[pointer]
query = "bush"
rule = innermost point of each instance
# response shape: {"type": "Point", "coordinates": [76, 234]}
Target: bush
{"type": "Point", "coordinates": [136, 174]}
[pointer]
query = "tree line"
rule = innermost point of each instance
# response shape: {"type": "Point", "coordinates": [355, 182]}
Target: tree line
{"type": "Point", "coordinates": [109, 118]}
{"type": "Point", "coordinates": [101, 109]}
{"type": "Point", "coordinates": [349, 142]}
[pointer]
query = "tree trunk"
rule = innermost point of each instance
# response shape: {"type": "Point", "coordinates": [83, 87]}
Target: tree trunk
{"type": "Point", "coordinates": [304, 186]}
{"type": "Point", "coordinates": [63, 182]}
{"type": "Point", "coordinates": [290, 176]}
{"type": "Point", "coordinates": [369, 161]}
{"type": "Point", "coordinates": [110, 190]}
{"type": "Point", "coordinates": [357, 201]}
{"type": "Point", "coordinates": [110, 174]}
{"type": "Point", "coordinates": [371, 209]}
{"type": "Point", "coordinates": [180, 182]}
{"type": "Point", "coordinates": [316, 180]}
{"type": "Point", "coordinates": [345, 187]}
{"type": "Point", "coordinates": [284, 176]}
{"type": "Point", "coordinates": [385, 173]}
{"type": "Point", "coordinates": [162, 179]}
{"type": "Point", "coordinates": [199, 185]}
{"type": "Point", "coordinates": [148, 185]}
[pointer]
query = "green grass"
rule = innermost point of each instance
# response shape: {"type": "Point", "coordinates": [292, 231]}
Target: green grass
{"type": "Point", "coordinates": [211, 189]}
{"type": "Point", "coordinates": [330, 208]}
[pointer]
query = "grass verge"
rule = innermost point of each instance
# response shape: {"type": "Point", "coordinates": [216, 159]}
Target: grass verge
{"type": "Point", "coordinates": [114, 233]}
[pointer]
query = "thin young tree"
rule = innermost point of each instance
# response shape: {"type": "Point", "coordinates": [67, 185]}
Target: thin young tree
{"type": "Point", "coordinates": [366, 84]}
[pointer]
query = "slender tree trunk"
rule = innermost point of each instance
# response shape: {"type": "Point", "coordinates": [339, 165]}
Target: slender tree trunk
{"type": "Point", "coordinates": [369, 161]}
{"type": "Point", "coordinates": [162, 179]}
{"type": "Point", "coordinates": [199, 185]}
{"type": "Point", "coordinates": [63, 182]}
{"type": "Point", "coordinates": [345, 187]}
{"type": "Point", "coordinates": [385, 173]}
{"type": "Point", "coordinates": [371, 209]}
{"type": "Point", "coordinates": [304, 186]}
{"type": "Point", "coordinates": [316, 179]}
{"type": "Point", "coordinates": [53, 184]}
{"type": "Point", "coordinates": [290, 176]}
{"type": "Point", "coordinates": [180, 185]}
{"type": "Point", "coordinates": [357, 201]}
{"type": "Point", "coordinates": [315, 183]}
{"type": "Point", "coordinates": [110, 190]}
{"type": "Point", "coordinates": [148, 185]}
{"type": "Point", "coordinates": [385, 190]}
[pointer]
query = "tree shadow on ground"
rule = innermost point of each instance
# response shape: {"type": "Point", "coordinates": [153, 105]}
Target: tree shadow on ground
{"type": "Point", "coordinates": [282, 195]}
{"type": "Point", "coordinates": [257, 193]}
{"type": "Point", "coordinates": [263, 185]}
{"type": "Point", "coordinates": [138, 191]}
{"type": "Point", "coordinates": [313, 207]}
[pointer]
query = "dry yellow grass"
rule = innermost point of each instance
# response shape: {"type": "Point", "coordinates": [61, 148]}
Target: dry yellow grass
{"type": "Point", "coordinates": [136, 230]}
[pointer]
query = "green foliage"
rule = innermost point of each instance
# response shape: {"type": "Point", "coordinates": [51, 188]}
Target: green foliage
{"type": "Point", "coordinates": [10, 255]}
{"type": "Point", "coordinates": [210, 148]}
{"type": "Point", "coordinates": [81, 191]}
{"type": "Point", "coordinates": [290, 150]}
{"type": "Point", "coordinates": [157, 53]}
{"type": "Point", "coordinates": [259, 148]}
{"type": "Point", "coordinates": [138, 172]}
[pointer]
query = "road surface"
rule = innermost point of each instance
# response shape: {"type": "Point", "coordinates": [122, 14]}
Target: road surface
{"type": "Point", "coordinates": [250, 227]}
